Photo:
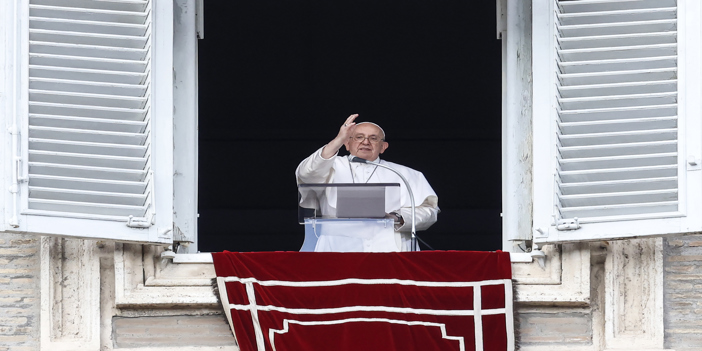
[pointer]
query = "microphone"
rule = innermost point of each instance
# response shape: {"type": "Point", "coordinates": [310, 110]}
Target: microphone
{"type": "Point", "coordinates": [358, 159]}
{"type": "Point", "coordinates": [413, 244]}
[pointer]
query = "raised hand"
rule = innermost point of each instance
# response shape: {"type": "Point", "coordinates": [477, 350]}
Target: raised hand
{"type": "Point", "coordinates": [346, 129]}
{"type": "Point", "coordinates": [345, 132]}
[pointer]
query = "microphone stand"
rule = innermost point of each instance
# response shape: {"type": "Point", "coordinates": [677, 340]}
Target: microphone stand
{"type": "Point", "coordinates": [413, 245]}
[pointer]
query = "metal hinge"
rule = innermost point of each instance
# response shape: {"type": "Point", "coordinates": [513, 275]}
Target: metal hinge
{"type": "Point", "coordinates": [568, 224]}
{"type": "Point", "coordinates": [141, 222]}
{"type": "Point", "coordinates": [17, 177]}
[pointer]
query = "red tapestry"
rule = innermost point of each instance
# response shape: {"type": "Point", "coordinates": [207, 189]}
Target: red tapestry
{"type": "Point", "coordinates": [430, 300]}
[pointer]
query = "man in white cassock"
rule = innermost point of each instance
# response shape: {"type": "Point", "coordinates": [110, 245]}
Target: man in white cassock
{"type": "Point", "coordinates": [367, 140]}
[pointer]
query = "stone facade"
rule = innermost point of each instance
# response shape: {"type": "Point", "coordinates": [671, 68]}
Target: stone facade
{"type": "Point", "coordinates": [555, 326]}
{"type": "Point", "coordinates": [617, 309]}
{"type": "Point", "coordinates": [171, 331]}
{"type": "Point", "coordinates": [581, 327]}
{"type": "Point", "coordinates": [19, 292]}
{"type": "Point", "coordinates": [683, 280]}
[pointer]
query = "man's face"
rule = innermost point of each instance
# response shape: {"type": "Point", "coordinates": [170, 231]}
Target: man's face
{"type": "Point", "coordinates": [366, 148]}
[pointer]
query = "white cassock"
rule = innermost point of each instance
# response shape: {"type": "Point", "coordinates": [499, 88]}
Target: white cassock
{"type": "Point", "coordinates": [338, 169]}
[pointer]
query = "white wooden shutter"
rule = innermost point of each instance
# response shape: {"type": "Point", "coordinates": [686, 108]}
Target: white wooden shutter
{"type": "Point", "coordinates": [617, 157]}
{"type": "Point", "coordinates": [95, 143]}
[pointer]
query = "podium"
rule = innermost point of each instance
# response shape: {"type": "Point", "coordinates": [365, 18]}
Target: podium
{"type": "Point", "coordinates": [348, 217]}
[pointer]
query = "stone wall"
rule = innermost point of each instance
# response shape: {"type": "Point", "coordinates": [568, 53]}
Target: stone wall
{"type": "Point", "coordinates": [20, 302]}
{"type": "Point", "coordinates": [171, 331]}
{"type": "Point", "coordinates": [683, 295]}
{"type": "Point", "coordinates": [557, 327]}
{"type": "Point", "coordinates": [541, 327]}
{"type": "Point", "coordinates": [551, 328]}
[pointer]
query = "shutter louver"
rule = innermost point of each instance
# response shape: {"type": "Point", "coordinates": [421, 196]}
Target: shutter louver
{"type": "Point", "coordinates": [89, 107]}
{"type": "Point", "coordinates": [617, 108]}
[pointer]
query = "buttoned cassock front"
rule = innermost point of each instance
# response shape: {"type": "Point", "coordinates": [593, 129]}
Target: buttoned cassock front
{"type": "Point", "coordinates": [338, 169]}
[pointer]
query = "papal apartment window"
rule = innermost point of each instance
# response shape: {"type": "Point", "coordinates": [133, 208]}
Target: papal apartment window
{"type": "Point", "coordinates": [276, 79]}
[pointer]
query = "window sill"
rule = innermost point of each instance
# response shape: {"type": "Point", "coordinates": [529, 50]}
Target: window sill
{"type": "Point", "coordinates": [144, 280]}
{"type": "Point", "coordinates": [206, 257]}
{"type": "Point", "coordinates": [193, 258]}
{"type": "Point", "coordinates": [521, 257]}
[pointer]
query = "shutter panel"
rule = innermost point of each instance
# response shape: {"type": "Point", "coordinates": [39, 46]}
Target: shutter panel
{"type": "Point", "coordinates": [77, 158]}
{"type": "Point", "coordinates": [617, 124]}
{"type": "Point", "coordinates": [617, 147]}
{"type": "Point", "coordinates": [90, 141]}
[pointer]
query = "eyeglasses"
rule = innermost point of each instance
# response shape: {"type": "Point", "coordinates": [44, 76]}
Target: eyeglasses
{"type": "Point", "coordinates": [373, 138]}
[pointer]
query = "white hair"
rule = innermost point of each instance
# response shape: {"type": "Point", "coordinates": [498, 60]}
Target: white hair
{"type": "Point", "coordinates": [379, 127]}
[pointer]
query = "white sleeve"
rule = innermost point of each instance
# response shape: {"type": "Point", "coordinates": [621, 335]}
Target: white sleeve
{"type": "Point", "coordinates": [315, 168]}
{"type": "Point", "coordinates": [426, 214]}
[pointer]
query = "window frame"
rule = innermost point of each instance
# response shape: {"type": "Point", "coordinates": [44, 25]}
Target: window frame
{"type": "Point", "coordinates": [186, 32]}
{"type": "Point", "coordinates": [514, 29]}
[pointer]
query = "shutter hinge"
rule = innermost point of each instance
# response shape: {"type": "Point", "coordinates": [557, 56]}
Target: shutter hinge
{"type": "Point", "coordinates": [141, 222]}
{"type": "Point", "coordinates": [568, 224]}
{"type": "Point", "coordinates": [17, 177]}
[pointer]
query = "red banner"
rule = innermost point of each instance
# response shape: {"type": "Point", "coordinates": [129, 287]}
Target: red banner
{"type": "Point", "coordinates": [430, 300]}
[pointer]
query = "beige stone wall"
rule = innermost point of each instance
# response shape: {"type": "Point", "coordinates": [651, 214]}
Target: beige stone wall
{"type": "Point", "coordinates": [19, 292]}
{"type": "Point", "coordinates": [541, 327]}
{"type": "Point", "coordinates": [171, 331]}
{"type": "Point", "coordinates": [683, 293]}
{"type": "Point", "coordinates": [544, 327]}
{"type": "Point", "coordinates": [555, 327]}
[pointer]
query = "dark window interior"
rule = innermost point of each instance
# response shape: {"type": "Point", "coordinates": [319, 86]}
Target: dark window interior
{"type": "Point", "coordinates": [278, 78]}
